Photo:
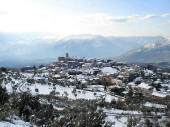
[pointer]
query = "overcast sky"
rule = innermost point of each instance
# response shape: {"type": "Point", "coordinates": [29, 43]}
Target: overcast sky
{"type": "Point", "coordinates": [72, 17]}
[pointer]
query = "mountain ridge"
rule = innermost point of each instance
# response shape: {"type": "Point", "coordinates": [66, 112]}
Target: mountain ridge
{"type": "Point", "coordinates": [155, 52]}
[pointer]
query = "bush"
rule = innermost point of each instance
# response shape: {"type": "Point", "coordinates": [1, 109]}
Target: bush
{"type": "Point", "coordinates": [118, 91]}
{"type": "Point", "coordinates": [148, 123]}
{"type": "Point", "coordinates": [83, 118]}
{"type": "Point", "coordinates": [31, 81]}
{"type": "Point", "coordinates": [168, 124]}
{"type": "Point", "coordinates": [138, 82]}
{"type": "Point", "coordinates": [26, 104]}
{"type": "Point", "coordinates": [3, 95]}
{"type": "Point", "coordinates": [45, 115]}
{"type": "Point", "coordinates": [151, 67]}
{"type": "Point", "coordinates": [4, 69]}
{"type": "Point", "coordinates": [132, 76]}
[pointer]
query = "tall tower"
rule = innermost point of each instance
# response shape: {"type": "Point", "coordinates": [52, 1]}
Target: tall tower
{"type": "Point", "coordinates": [67, 55]}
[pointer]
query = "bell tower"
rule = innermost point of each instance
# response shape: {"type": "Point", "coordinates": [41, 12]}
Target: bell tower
{"type": "Point", "coordinates": [67, 55]}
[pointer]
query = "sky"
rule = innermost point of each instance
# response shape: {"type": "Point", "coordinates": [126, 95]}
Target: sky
{"type": "Point", "coordinates": [99, 17]}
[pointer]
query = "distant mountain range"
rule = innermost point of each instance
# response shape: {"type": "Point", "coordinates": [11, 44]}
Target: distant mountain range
{"type": "Point", "coordinates": [155, 52]}
{"type": "Point", "coordinates": [19, 49]}
{"type": "Point", "coordinates": [100, 46]}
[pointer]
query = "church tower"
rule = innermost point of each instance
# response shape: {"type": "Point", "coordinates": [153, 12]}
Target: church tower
{"type": "Point", "coordinates": [67, 55]}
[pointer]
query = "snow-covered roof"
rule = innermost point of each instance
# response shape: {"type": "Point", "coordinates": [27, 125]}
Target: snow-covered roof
{"type": "Point", "coordinates": [148, 104]}
{"type": "Point", "coordinates": [148, 72]}
{"type": "Point", "coordinates": [144, 86]}
{"type": "Point", "coordinates": [109, 70]}
{"type": "Point", "coordinates": [71, 80]}
{"type": "Point", "coordinates": [157, 81]}
{"type": "Point", "coordinates": [39, 78]}
{"type": "Point", "coordinates": [158, 94]}
{"type": "Point", "coordinates": [43, 68]}
{"type": "Point", "coordinates": [138, 79]}
{"type": "Point", "coordinates": [131, 84]}
{"type": "Point", "coordinates": [57, 76]}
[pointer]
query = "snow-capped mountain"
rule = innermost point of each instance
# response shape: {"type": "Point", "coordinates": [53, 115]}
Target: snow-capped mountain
{"type": "Point", "coordinates": [155, 52]}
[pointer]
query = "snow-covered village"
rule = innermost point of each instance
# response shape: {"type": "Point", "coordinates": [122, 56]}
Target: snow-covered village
{"type": "Point", "coordinates": [85, 92]}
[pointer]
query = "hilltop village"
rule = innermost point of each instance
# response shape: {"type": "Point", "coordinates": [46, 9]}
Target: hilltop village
{"type": "Point", "coordinates": [72, 89]}
{"type": "Point", "coordinates": [81, 72]}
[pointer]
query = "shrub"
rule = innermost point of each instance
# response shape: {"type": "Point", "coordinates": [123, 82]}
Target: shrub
{"type": "Point", "coordinates": [31, 81]}
{"type": "Point", "coordinates": [168, 124]}
{"type": "Point", "coordinates": [83, 118]}
{"type": "Point", "coordinates": [26, 104]}
{"type": "Point", "coordinates": [118, 91]}
{"type": "Point", "coordinates": [3, 95]}
{"type": "Point", "coordinates": [4, 69]}
{"type": "Point", "coordinates": [45, 115]}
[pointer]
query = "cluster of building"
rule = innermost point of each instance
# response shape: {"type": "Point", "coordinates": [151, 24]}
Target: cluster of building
{"type": "Point", "coordinates": [83, 72]}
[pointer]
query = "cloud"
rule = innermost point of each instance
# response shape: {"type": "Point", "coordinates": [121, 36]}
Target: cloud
{"type": "Point", "coordinates": [124, 19]}
{"type": "Point", "coordinates": [165, 15]}
{"type": "Point", "coordinates": [168, 21]}
{"type": "Point", "coordinates": [120, 20]}
{"type": "Point", "coordinates": [2, 12]}
{"type": "Point", "coordinates": [105, 18]}
{"type": "Point", "coordinates": [151, 16]}
{"type": "Point", "coordinates": [38, 17]}
{"type": "Point", "coordinates": [138, 18]}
